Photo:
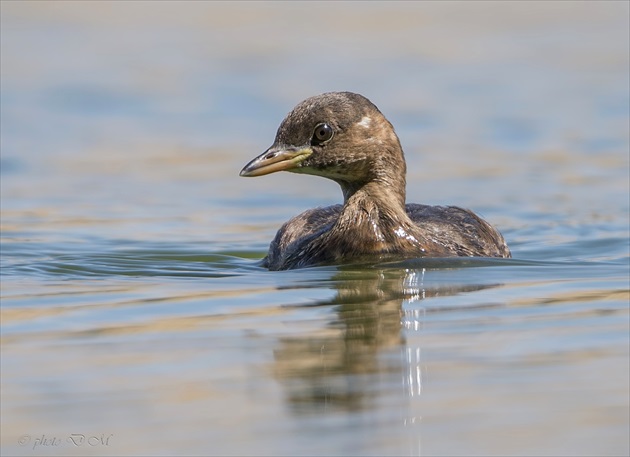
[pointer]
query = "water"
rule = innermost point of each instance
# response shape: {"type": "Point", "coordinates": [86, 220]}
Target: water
{"type": "Point", "coordinates": [136, 319]}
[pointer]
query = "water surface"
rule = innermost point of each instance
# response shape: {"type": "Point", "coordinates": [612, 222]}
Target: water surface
{"type": "Point", "coordinates": [136, 319]}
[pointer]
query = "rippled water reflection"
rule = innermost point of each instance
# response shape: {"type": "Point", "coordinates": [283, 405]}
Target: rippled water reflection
{"type": "Point", "coordinates": [136, 319]}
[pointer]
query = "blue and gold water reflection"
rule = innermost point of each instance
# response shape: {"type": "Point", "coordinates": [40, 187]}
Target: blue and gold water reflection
{"type": "Point", "coordinates": [136, 319]}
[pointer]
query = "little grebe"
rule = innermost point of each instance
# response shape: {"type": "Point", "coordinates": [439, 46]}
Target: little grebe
{"type": "Point", "coordinates": [344, 137]}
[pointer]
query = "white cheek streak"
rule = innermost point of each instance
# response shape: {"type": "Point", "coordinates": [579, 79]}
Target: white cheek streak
{"type": "Point", "coordinates": [365, 122]}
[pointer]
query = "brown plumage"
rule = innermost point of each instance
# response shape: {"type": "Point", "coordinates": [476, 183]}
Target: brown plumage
{"type": "Point", "coordinates": [344, 137]}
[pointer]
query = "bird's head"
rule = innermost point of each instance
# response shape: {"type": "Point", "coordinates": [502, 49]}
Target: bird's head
{"type": "Point", "coordinates": [338, 135]}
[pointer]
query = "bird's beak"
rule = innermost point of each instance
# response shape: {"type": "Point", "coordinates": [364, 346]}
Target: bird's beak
{"type": "Point", "coordinates": [276, 159]}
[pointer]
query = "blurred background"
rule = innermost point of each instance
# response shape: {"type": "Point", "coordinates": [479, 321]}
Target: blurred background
{"type": "Point", "coordinates": [120, 98]}
{"type": "Point", "coordinates": [131, 300]}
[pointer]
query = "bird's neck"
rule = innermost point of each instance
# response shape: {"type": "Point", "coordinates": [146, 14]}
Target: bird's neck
{"type": "Point", "coordinates": [384, 190]}
{"type": "Point", "coordinates": [385, 196]}
{"type": "Point", "coordinates": [385, 178]}
{"type": "Point", "coordinates": [376, 211]}
{"type": "Point", "coordinates": [374, 219]}
{"type": "Point", "coordinates": [373, 225]}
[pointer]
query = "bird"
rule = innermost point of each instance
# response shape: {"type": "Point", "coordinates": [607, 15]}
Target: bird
{"type": "Point", "coordinates": [344, 137]}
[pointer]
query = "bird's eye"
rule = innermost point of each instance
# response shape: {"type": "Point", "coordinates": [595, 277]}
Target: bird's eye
{"type": "Point", "coordinates": [323, 133]}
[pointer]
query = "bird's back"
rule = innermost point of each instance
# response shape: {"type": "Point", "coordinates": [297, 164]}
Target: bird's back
{"type": "Point", "coordinates": [460, 231]}
{"type": "Point", "coordinates": [295, 234]}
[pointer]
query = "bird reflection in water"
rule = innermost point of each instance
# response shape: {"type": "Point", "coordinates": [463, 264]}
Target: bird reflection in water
{"type": "Point", "coordinates": [361, 356]}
